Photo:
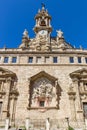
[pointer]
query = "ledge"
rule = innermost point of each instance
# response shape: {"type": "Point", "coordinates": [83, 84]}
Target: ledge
{"type": "Point", "coordinates": [34, 64]}
{"type": "Point", "coordinates": [27, 51]}
{"type": "Point", "coordinates": [41, 108]}
{"type": "Point", "coordinates": [2, 92]}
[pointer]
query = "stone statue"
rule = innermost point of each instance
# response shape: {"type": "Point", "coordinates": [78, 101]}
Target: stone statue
{"type": "Point", "coordinates": [25, 33]}
{"type": "Point", "coordinates": [59, 33]}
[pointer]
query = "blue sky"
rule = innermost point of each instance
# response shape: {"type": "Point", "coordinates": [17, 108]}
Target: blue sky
{"type": "Point", "coordinates": [68, 15]}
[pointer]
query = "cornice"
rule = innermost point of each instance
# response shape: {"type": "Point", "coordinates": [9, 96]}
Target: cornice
{"type": "Point", "coordinates": [26, 51]}
{"type": "Point", "coordinates": [50, 64]}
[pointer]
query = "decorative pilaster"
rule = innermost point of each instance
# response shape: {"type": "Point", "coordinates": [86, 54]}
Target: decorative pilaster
{"type": "Point", "coordinates": [78, 100]}
{"type": "Point", "coordinates": [57, 93]}
{"type": "Point", "coordinates": [47, 124]}
{"type": "Point", "coordinates": [6, 102]}
{"type": "Point", "coordinates": [29, 92]}
{"type": "Point", "coordinates": [13, 99]}
{"type": "Point", "coordinates": [27, 123]}
{"type": "Point", "coordinates": [72, 94]}
{"type": "Point", "coordinates": [2, 90]}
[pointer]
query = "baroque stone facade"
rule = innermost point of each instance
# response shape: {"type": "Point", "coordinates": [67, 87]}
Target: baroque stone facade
{"type": "Point", "coordinates": [45, 77]}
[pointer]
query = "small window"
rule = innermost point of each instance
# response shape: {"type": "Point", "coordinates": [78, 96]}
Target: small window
{"type": "Point", "coordinates": [14, 59]}
{"type": "Point", "coordinates": [85, 86]}
{"type": "Point", "coordinates": [41, 103]}
{"type": "Point", "coordinates": [38, 60]}
{"type": "Point", "coordinates": [54, 59]}
{"type": "Point", "coordinates": [71, 59]}
{"type": "Point", "coordinates": [6, 60]}
{"type": "Point", "coordinates": [79, 59]}
{"type": "Point", "coordinates": [85, 59]}
{"type": "Point", "coordinates": [30, 60]}
{"type": "Point", "coordinates": [0, 107]}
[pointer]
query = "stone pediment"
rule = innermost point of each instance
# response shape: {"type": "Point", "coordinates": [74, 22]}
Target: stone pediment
{"type": "Point", "coordinates": [82, 73]}
{"type": "Point", "coordinates": [43, 74]}
{"type": "Point", "coordinates": [6, 73]}
{"type": "Point", "coordinates": [40, 43]}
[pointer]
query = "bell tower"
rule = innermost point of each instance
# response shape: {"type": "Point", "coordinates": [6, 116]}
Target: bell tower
{"type": "Point", "coordinates": [43, 20]}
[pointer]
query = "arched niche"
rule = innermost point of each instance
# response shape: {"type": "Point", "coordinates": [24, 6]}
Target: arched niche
{"type": "Point", "coordinates": [44, 91]}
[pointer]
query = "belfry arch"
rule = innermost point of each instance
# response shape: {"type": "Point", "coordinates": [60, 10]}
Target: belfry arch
{"type": "Point", "coordinates": [44, 91]}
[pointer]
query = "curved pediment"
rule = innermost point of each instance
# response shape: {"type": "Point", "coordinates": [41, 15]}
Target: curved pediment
{"type": "Point", "coordinates": [82, 73]}
{"type": "Point", "coordinates": [43, 74]}
{"type": "Point", "coordinates": [6, 73]}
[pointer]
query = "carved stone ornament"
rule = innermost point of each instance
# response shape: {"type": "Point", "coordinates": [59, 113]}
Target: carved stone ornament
{"type": "Point", "coordinates": [43, 90]}
{"type": "Point", "coordinates": [71, 93]}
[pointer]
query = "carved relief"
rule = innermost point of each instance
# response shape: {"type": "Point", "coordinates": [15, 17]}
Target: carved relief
{"type": "Point", "coordinates": [44, 91]}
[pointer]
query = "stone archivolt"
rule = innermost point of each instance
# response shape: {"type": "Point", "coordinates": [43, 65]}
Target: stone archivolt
{"type": "Point", "coordinates": [45, 44]}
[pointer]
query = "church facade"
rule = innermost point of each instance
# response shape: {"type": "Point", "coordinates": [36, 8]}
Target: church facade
{"type": "Point", "coordinates": [45, 77]}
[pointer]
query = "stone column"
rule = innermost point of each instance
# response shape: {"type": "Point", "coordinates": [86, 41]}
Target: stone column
{"type": "Point", "coordinates": [86, 123]}
{"type": "Point", "coordinates": [6, 102]}
{"type": "Point", "coordinates": [29, 92]}
{"type": "Point", "coordinates": [13, 100]}
{"type": "Point", "coordinates": [7, 124]}
{"type": "Point", "coordinates": [47, 124]}
{"type": "Point", "coordinates": [2, 86]}
{"type": "Point", "coordinates": [72, 105]}
{"type": "Point", "coordinates": [78, 100]}
{"type": "Point", "coordinates": [14, 108]}
{"type": "Point", "coordinates": [57, 91]}
{"type": "Point", "coordinates": [27, 123]}
{"type": "Point", "coordinates": [11, 106]}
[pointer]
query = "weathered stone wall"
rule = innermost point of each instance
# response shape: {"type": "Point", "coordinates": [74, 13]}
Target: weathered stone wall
{"type": "Point", "coordinates": [61, 72]}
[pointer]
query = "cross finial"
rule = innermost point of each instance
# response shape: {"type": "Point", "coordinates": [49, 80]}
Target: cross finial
{"type": "Point", "coordinates": [43, 5]}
